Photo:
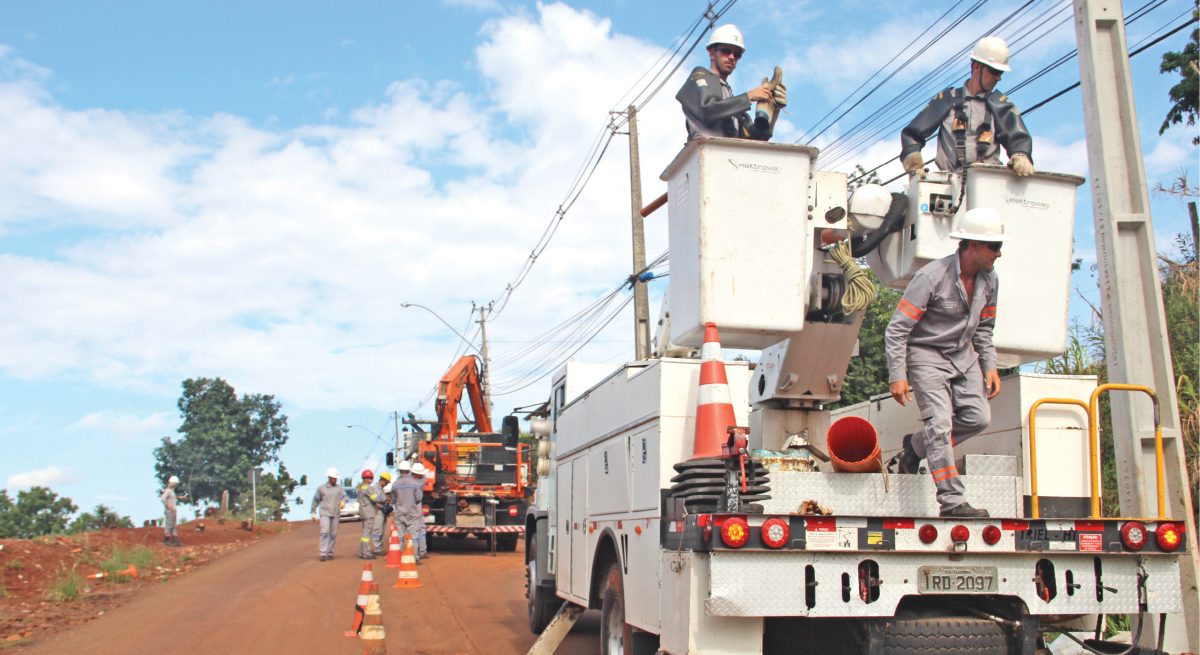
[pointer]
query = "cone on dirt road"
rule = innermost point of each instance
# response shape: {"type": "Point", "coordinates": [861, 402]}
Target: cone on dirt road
{"type": "Point", "coordinates": [373, 638]}
{"type": "Point", "coordinates": [129, 572]}
{"type": "Point", "coordinates": [714, 409]}
{"type": "Point", "coordinates": [393, 554]}
{"type": "Point", "coordinates": [366, 589]}
{"type": "Point", "coordinates": [407, 577]}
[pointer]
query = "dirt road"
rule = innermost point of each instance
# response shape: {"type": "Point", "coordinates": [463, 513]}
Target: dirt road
{"type": "Point", "coordinates": [276, 597]}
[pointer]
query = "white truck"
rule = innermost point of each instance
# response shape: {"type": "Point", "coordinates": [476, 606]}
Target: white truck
{"type": "Point", "coordinates": [792, 556]}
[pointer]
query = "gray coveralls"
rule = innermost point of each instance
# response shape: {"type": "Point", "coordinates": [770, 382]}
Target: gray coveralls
{"type": "Point", "coordinates": [991, 114]}
{"type": "Point", "coordinates": [711, 110]}
{"type": "Point", "coordinates": [369, 500]}
{"type": "Point", "coordinates": [406, 499]}
{"type": "Point", "coordinates": [170, 507]}
{"type": "Point", "coordinates": [327, 502]}
{"type": "Point", "coordinates": [941, 342]}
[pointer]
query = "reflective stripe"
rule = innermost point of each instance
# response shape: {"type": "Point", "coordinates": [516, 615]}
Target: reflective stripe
{"type": "Point", "coordinates": [710, 351]}
{"type": "Point", "coordinates": [713, 393]}
{"type": "Point", "coordinates": [910, 310]}
{"type": "Point", "coordinates": [944, 473]}
{"type": "Point", "coordinates": [988, 312]}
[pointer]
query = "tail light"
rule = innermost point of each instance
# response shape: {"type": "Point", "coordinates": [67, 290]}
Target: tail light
{"type": "Point", "coordinates": [927, 533]}
{"type": "Point", "coordinates": [959, 534]}
{"type": "Point", "coordinates": [704, 522]}
{"type": "Point", "coordinates": [775, 532]}
{"type": "Point", "coordinates": [1133, 535]}
{"type": "Point", "coordinates": [512, 511]}
{"type": "Point", "coordinates": [735, 532]}
{"type": "Point", "coordinates": [1169, 536]}
{"type": "Point", "coordinates": [425, 510]}
{"type": "Point", "coordinates": [991, 535]}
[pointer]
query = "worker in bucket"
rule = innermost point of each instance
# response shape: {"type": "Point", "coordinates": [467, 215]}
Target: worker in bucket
{"type": "Point", "coordinates": [407, 492]}
{"type": "Point", "coordinates": [327, 506]}
{"type": "Point", "coordinates": [974, 121]}
{"type": "Point", "coordinates": [370, 502]}
{"type": "Point", "coordinates": [385, 510]}
{"type": "Point", "coordinates": [709, 106]}
{"type": "Point", "coordinates": [170, 512]}
{"type": "Point", "coordinates": [939, 350]}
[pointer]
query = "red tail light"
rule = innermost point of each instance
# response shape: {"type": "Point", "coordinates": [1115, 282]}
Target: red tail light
{"type": "Point", "coordinates": [425, 510]}
{"type": "Point", "coordinates": [991, 535]}
{"type": "Point", "coordinates": [512, 510]}
{"type": "Point", "coordinates": [775, 532]}
{"type": "Point", "coordinates": [704, 522]}
{"type": "Point", "coordinates": [1133, 535]}
{"type": "Point", "coordinates": [1169, 536]}
{"type": "Point", "coordinates": [959, 534]}
{"type": "Point", "coordinates": [927, 533]}
{"type": "Point", "coordinates": [735, 532]}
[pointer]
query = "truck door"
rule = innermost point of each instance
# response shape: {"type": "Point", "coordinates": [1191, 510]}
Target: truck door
{"type": "Point", "coordinates": [579, 540]}
{"type": "Point", "coordinates": [562, 515]}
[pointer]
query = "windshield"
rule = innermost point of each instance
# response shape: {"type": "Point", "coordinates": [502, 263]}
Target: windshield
{"type": "Point", "coordinates": [351, 493]}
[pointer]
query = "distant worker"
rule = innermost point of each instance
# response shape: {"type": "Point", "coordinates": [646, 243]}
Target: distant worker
{"type": "Point", "coordinates": [385, 510]}
{"type": "Point", "coordinates": [709, 106]}
{"type": "Point", "coordinates": [370, 501]}
{"type": "Point", "coordinates": [170, 516]}
{"type": "Point", "coordinates": [974, 120]}
{"type": "Point", "coordinates": [939, 348]}
{"type": "Point", "coordinates": [420, 474]}
{"type": "Point", "coordinates": [407, 492]}
{"type": "Point", "coordinates": [327, 506]}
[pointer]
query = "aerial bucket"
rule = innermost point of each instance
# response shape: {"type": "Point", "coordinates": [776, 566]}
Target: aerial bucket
{"type": "Point", "coordinates": [853, 446]}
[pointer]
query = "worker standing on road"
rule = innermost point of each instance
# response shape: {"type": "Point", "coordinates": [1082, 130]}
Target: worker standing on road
{"type": "Point", "coordinates": [419, 473]}
{"type": "Point", "coordinates": [170, 516]}
{"type": "Point", "coordinates": [939, 347]}
{"type": "Point", "coordinates": [407, 492]}
{"type": "Point", "coordinates": [370, 499]}
{"type": "Point", "coordinates": [327, 506]}
{"type": "Point", "coordinates": [709, 106]}
{"type": "Point", "coordinates": [974, 120]}
{"type": "Point", "coordinates": [385, 508]}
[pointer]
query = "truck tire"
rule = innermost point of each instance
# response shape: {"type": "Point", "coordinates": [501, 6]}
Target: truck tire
{"type": "Point", "coordinates": [543, 604]}
{"type": "Point", "coordinates": [944, 635]}
{"type": "Point", "coordinates": [615, 633]}
{"type": "Point", "coordinates": [507, 542]}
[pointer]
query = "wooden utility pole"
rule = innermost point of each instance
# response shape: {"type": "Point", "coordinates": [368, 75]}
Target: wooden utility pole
{"type": "Point", "coordinates": [641, 300]}
{"type": "Point", "coordinates": [1135, 326]}
{"type": "Point", "coordinates": [483, 354]}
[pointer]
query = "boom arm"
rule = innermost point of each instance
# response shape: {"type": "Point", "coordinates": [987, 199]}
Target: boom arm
{"type": "Point", "coordinates": [464, 375]}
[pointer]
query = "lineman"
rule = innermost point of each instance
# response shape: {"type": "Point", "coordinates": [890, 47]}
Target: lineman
{"type": "Point", "coordinates": [385, 489]}
{"type": "Point", "coordinates": [370, 498]}
{"type": "Point", "coordinates": [939, 347]}
{"type": "Point", "coordinates": [972, 121]}
{"type": "Point", "coordinates": [709, 106]}
{"type": "Point", "coordinates": [170, 504]}
{"type": "Point", "coordinates": [406, 502]}
{"type": "Point", "coordinates": [328, 501]}
{"type": "Point", "coordinates": [419, 473]}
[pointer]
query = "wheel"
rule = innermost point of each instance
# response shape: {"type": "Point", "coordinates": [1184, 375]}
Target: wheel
{"type": "Point", "coordinates": [507, 542]}
{"type": "Point", "coordinates": [543, 604]}
{"type": "Point", "coordinates": [945, 635]}
{"type": "Point", "coordinates": [614, 632]}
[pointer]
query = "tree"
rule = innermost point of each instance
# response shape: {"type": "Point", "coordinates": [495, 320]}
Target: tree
{"type": "Point", "coordinates": [224, 438]}
{"type": "Point", "coordinates": [1186, 93]}
{"type": "Point", "coordinates": [273, 492]}
{"type": "Point", "coordinates": [868, 373]}
{"type": "Point", "coordinates": [38, 511]}
{"type": "Point", "coordinates": [100, 518]}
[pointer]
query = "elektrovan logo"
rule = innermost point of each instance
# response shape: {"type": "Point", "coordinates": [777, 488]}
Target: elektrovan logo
{"type": "Point", "coordinates": [1027, 203]}
{"type": "Point", "coordinates": [755, 168]}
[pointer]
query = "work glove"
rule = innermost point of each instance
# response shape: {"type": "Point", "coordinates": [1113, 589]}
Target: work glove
{"type": "Point", "coordinates": [914, 164]}
{"type": "Point", "coordinates": [1021, 165]}
{"type": "Point", "coordinates": [780, 95]}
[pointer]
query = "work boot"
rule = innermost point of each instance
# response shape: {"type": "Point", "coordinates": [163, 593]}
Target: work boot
{"type": "Point", "coordinates": [964, 511]}
{"type": "Point", "coordinates": [176, 541]}
{"type": "Point", "coordinates": [906, 461]}
{"type": "Point", "coordinates": [322, 558]}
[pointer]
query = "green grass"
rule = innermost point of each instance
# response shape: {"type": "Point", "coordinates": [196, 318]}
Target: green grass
{"type": "Point", "coordinates": [119, 560]}
{"type": "Point", "coordinates": [67, 586]}
{"type": "Point", "coordinates": [3, 589]}
{"type": "Point", "coordinates": [15, 565]}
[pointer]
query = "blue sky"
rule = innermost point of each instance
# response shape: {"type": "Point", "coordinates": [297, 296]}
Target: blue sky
{"type": "Point", "coordinates": [250, 190]}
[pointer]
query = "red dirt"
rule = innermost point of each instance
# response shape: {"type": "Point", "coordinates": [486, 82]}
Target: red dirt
{"type": "Point", "coordinates": [31, 568]}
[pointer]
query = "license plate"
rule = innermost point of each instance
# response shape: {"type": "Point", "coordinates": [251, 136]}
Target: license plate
{"type": "Point", "coordinates": [957, 580]}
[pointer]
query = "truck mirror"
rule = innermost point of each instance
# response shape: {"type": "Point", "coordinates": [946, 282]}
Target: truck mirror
{"type": "Point", "coordinates": [390, 458]}
{"type": "Point", "coordinates": [511, 428]}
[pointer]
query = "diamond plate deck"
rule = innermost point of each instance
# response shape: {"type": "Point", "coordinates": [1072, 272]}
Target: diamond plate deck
{"type": "Point", "coordinates": [862, 494]}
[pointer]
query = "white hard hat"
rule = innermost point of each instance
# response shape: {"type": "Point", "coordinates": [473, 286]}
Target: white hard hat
{"type": "Point", "coordinates": [331, 472]}
{"type": "Point", "coordinates": [404, 466]}
{"type": "Point", "coordinates": [173, 480]}
{"type": "Point", "coordinates": [992, 51]}
{"type": "Point", "coordinates": [727, 35]}
{"type": "Point", "coordinates": [868, 205]}
{"type": "Point", "coordinates": [979, 224]}
{"type": "Point", "coordinates": [419, 469]}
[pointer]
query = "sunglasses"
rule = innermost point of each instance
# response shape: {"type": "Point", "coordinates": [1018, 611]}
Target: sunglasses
{"type": "Point", "coordinates": [737, 54]}
{"type": "Point", "coordinates": [992, 245]}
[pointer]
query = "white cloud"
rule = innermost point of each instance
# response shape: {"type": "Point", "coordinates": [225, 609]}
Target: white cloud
{"type": "Point", "coordinates": [124, 427]}
{"type": "Point", "coordinates": [51, 476]}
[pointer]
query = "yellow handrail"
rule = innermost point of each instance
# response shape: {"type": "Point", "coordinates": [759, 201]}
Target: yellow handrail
{"type": "Point", "coordinates": [1092, 454]}
{"type": "Point", "coordinates": [1094, 441]}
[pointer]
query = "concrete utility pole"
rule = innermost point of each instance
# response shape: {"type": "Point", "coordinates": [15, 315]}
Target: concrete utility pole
{"type": "Point", "coordinates": [1135, 327]}
{"type": "Point", "coordinates": [485, 368]}
{"type": "Point", "coordinates": [641, 300]}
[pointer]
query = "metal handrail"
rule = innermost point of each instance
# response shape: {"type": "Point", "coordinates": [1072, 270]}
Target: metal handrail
{"type": "Point", "coordinates": [1093, 456]}
{"type": "Point", "coordinates": [1094, 441]}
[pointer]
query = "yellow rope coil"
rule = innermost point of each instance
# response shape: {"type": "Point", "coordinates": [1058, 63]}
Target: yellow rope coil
{"type": "Point", "coordinates": [860, 291]}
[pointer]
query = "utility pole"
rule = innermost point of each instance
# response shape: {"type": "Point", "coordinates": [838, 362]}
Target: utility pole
{"type": "Point", "coordinates": [399, 446]}
{"type": "Point", "coordinates": [641, 300]}
{"type": "Point", "coordinates": [1135, 326]}
{"type": "Point", "coordinates": [483, 352]}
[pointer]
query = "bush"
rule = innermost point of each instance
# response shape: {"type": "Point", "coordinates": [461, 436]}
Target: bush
{"type": "Point", "coordinates": [67, 587]}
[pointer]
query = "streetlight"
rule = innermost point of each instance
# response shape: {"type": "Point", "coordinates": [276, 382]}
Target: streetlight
{"type": "Point", "coordinates": [448, 326]}
{"type": "Point", "coordinates": [483, 351]}
{"type": "Point", "coordinates": [377, 435]}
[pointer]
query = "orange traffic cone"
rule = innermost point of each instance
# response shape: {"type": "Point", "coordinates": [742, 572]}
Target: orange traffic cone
{"type": "Point", "coordinates": [373, 636]}
{"type": "Point", "coordinates": [129, 572]}
{"type": "Point", "coordinates": [714, 410]}
{"type": "Point", "coordinates": [407, 577]}
{"type": "Point", "coordinates": [366, 589]}
{"type": "Point", "coordinates": [393, 554]}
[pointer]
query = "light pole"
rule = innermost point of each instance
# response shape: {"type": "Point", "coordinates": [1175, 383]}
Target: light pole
{"type": "Point", "coordinates": [254, 473]}
{"type": "Point", "coordinates": [487, 391]}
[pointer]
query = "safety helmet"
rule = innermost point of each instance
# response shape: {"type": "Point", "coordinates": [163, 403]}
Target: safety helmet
{"type": "Point", "coordinates": [730, 35]}
{"type": "Point", "coordinates": [331, 472]}
{"type": "Point", "coordinates": [404, 466]}
{"type": "Point", "coordinates": [367, 474]}
{"type": "Point", "coordinates": [385, 476]}
{"type": "Point", "coordinates": [979, 224]}
{"type": "Point", "coordinates": [419, 469]}
{"type": "Point", "coordinates": [172, 481]}
{"type": "Point", "coordinates": [992, 51]}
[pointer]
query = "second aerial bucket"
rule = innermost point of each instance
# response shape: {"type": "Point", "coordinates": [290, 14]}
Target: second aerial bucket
{"type": "Point", "coordinates": [853, 446]}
